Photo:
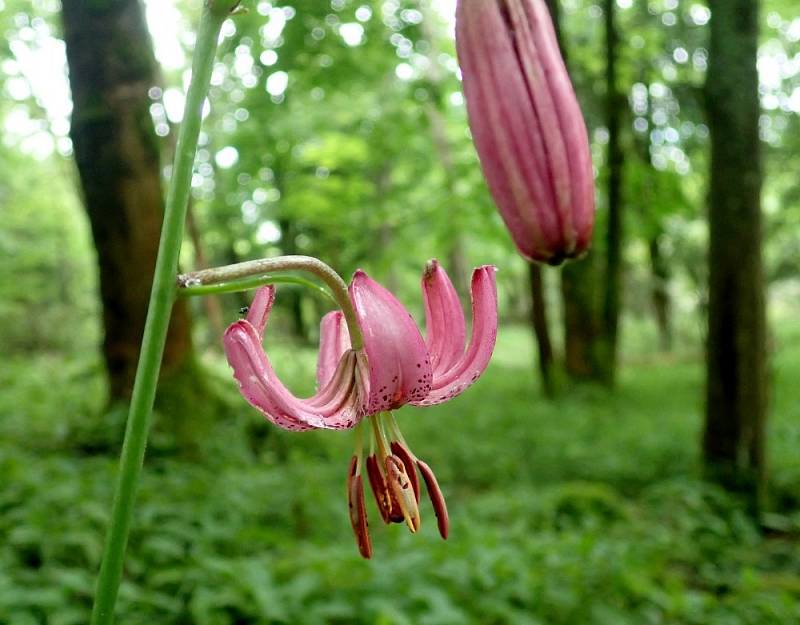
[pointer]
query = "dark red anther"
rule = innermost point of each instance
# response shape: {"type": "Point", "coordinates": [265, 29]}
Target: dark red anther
{"type": "Point", "coordinates": [387, 504]}
{"type": "Point", "coordinates": [437, 499]}
{"type": "Point", "coordinates": [379, 488]}
{"type": "Point", "coordinates": [400, 450]}
{"type": "Point", "coordinates": [358, 511]}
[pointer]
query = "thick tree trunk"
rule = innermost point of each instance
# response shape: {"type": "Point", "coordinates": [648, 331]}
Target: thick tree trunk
{"type": "Point", "coordinates": [733, 441]}
{"type": "Point", "coordinates": [111, 68]}
{"type": "Point", "coordinates": [541, 329]}
{"type": "Point", "coordinates": [615, 105]}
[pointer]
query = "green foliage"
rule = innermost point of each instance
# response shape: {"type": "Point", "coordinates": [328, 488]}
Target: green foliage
{"type": "Point", "coordinates": [585, 510]}
{"type": "Point", "coordinates": [582, 511]}
{"type": "Point", "coordinates": [47, 280]}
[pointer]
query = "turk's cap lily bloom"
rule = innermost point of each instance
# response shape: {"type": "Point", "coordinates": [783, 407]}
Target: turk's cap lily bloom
{"type": "Point", "coordinates": [527, 126]}
{"type": "Point", "coordinates": [395, 366]}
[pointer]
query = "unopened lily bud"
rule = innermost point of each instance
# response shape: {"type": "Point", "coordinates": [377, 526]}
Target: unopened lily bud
{"type": "Point", "coordinates": [527, 126]}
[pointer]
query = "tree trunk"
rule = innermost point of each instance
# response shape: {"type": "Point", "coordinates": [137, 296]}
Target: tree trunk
{"type": "Point", "coordinates": [456, 258]}
{"type": "Point", "coordinates": [216, 324]}
{"type": "Point", "coordinates": [584, 355]}
{"type": "Point", "coordinates": [615, 104]}
{"type": "Point", "coordinates": [582, 325]}
{"type": "Point", "coordinates": [457, 266]}
{"type": "Point", "coordinates": [541, 329]}
{"type": "Point", "coordinates": [659, 293]}
{"type": "Point", "coordinates": [294, 297]}
{"type": "Point", "coordinates": [111, 68]}
{"type": "Point", "coordinates": [660, 271]}
{"type": "Point", "coordinates": [736, 389]}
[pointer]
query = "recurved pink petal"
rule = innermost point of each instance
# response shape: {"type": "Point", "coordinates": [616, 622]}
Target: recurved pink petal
{"type": "Point", "coordinates": [445, 328]}
{"type": "Point", "coordinates": [399, 366]}
{"type": "Point", "coordinates": [471, 364]}
{"type": "Point", "coordinates": [334, 341]}
{"type": "Point", "coordinates": [335, 406]}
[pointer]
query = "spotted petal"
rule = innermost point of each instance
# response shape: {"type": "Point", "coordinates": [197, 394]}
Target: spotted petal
{"type": "Point", "coordinates": [453, 374]}
{"type": "Point", "coordinates": [335, 406]}
{"type": "Point", "coordinates": [399, 367]}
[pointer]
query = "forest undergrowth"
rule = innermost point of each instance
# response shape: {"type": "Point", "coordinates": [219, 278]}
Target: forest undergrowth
{"type": "Point", "coordinates": [585, 510]}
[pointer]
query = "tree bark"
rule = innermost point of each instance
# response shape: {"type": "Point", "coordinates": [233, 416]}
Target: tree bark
{"type": "Point", "coordinates": [736, 388]}
{"type": "Point", "coordinates": [456, 257]}
{"type": "Point", "coordinates": [660, 270]}
{"type": "Point", "coordinates": [216, 324]}
{"type": "Point", "coordinates": [541, 329]}
{"type": "Point", "coordinates": [615, 105]}
{"type": "Point", "coordinates": [659, 292]}
{"type": "Point", "coordinates": [294, 297]}
{"type": "Point", "coordinates": [111, 68]}
{"type": "Point", "coordinates": [584, 355]}
{"type": "Point", "coordinates": [579, 293]}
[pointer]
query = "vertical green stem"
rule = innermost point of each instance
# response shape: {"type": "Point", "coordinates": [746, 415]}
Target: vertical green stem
{"type": "Point", "coordinates": [158, 315]}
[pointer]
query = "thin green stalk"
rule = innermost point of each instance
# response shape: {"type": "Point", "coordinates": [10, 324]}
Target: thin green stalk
{"type": "Point", "coordinates": [158, 314]}
{"type": "Point", "coordinates": [236, 286]}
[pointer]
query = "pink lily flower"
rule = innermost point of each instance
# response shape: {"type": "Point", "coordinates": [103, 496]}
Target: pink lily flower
{"type": "Point", "coordinates": [396, 366]}
{"type": "Point", "coordinates": [527, 126]}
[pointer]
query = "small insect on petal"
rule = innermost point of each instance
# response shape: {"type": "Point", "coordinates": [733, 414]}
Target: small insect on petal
{"type": "Point", "coordinates": [403, 491]}
{"type": "Point", "coordinates": [437, 499]}
{"type": "Point", "coordinates": [400, 450]}
{"type": "Point", "coordinates": [358, 511]}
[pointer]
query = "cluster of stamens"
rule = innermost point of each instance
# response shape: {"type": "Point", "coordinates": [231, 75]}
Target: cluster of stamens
{"type": "Point", "coordinates": [391, 469]}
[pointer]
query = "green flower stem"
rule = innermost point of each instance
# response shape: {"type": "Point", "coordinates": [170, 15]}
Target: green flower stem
{"type": "Point", "coordinates": [236, 286]}
{"type": "Point", "coordinates": [259, 268]}
{"type": "Point", "coordinates": [158, 313]}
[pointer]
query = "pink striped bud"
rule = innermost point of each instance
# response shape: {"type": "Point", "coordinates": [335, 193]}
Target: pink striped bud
{"type": "Point", "coordinates": [527, 126]}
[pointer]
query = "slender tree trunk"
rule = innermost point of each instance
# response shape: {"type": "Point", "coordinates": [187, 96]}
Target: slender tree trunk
{"type": "Point", "coordinates": [541, 329]}
{"type": "Point", "coordinates": [111, 68]}
{"type": "Point", "coordinates": [615, 105]}
{"type": "Point", "coordinates": [294, 296]}
{"type": "Point", "coordinates": [736, 388]}
{"type": "Point", "coordinates": [659, 293]}
{"type": "Point", "coordinates": [456, 259]}
{"type": "Point", "coordinates": [579, 291]}
{"type": "Point", "coordinates": [659, 265]}
{"type": "Point", "coordinates": [216, 325]}
{"type": "Point", "coordinates": [382, 180]}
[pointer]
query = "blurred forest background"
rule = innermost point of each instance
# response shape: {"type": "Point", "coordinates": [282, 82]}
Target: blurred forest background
{"type": "Point", "coordinates": [573, 470]}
